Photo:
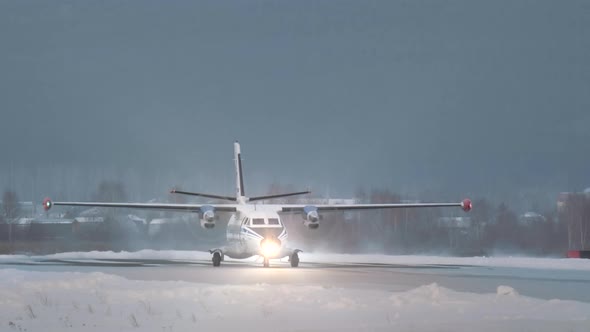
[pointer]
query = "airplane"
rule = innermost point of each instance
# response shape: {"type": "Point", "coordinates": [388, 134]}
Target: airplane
{"type": "Point", "coordinates": [254, 229]}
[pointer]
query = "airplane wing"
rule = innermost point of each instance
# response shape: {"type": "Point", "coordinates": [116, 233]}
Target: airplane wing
{"type": "Point", "coordinates": [47, 204]}
{"type": "Point", "coordinates": [465, 205]}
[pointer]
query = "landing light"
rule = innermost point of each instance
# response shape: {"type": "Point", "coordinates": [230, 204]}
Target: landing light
{"type": "Point", "coordinates": [270, 248]}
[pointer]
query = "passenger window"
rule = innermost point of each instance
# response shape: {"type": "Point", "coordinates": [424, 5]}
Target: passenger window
{"type": "Point", "coordinates": [273, 221]}
{"type": "Point", "coordinates": [258, 221]}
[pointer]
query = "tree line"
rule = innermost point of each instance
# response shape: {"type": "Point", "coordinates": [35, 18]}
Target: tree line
{"type": "Point", "coordinates": [489, 229]}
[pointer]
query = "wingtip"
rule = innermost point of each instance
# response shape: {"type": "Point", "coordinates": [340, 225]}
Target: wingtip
{"type": "Point", "coordinates": [466, 205]}
{"type": "Point", "coordinates": [47, 204]}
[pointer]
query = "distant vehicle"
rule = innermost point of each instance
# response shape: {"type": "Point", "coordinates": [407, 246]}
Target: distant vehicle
{"type": "Point", "coordinates": [255, 229]}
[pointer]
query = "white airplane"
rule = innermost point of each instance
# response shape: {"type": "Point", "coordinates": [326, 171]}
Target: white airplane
{"type": "Point", "coordinates": [254, 229]}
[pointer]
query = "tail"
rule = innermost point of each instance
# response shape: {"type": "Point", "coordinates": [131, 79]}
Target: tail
{"type": "Point", "coordinates": [240, 193]}
{"type": "Point", "coordinates": [239, 175]}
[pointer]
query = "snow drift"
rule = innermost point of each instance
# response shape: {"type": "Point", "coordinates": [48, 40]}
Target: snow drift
{"type": "Point", "coordinates": [57, 301]}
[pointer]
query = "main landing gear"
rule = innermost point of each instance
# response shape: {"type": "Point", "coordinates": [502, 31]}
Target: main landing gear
{"type": "Point", "coordinates": [294, 259]}
{"type": "Point", "coordinates": [216, 259]}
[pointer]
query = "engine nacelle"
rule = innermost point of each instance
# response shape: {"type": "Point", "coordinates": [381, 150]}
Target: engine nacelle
{"type": "Point", "coordinates": [311, 218]}
{"type": "Point", "coordinates": [208, 217]}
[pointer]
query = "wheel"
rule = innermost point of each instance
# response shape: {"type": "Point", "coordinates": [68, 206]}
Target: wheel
{"type": "Point", "coordinates": [266, 262]}
{"type": "Point", "coordinates": [294, 260]}
{"type": "Point", "coordinates": [216, 259]}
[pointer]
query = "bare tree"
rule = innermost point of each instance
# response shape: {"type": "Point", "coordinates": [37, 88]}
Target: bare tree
{"type": "Point", "coordinates": [504, 232]}
{"type": "Point", "coordinates": [10, 210]}
{"type": "Point", "coordinates": [480, 217]}
{"type": "Point", "coordinates": [576, 215]}
{"type": "Point", "coordinates": [9, 205]}
{"type": "Point", "coordinates": [111, 191]}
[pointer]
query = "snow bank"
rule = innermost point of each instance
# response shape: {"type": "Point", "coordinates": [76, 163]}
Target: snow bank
{"type": "Point", "coordinates": [175, 255]}
{"type": "Point", "coordinates": [508, 261]}
{"type": "Point", "coordinates": [56, 301]}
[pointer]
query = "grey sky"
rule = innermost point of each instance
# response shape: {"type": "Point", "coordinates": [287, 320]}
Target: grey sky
{"type": "Point", "coordinates": [452, 97]}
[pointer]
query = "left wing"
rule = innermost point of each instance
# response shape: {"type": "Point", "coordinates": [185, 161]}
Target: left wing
{"type": "Point", "coordinates": [465, 205]}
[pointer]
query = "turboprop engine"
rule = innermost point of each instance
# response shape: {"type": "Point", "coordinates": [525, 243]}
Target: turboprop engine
{"type": "Point", "coordinates": [208, 217]}
{"type": "Point", "coordinates": [311, 218]}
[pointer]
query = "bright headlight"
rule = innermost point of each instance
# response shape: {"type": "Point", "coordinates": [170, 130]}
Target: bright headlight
{"type": "Point", "coordinates": [270, 248]}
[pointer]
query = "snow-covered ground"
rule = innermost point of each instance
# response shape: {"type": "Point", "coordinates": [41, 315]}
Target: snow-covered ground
{"type": "Point", "coordinates": [97, 301]}
{"type": "Point", "coordinates": [503, 261]}
{"type": "Point", "coordinates": [49, 301]}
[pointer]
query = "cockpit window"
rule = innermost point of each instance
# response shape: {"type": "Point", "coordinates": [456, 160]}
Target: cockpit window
{"type": "Point", "coordinates": [273, 221]}
{"type": "Point", "coordinates": [257, 221]}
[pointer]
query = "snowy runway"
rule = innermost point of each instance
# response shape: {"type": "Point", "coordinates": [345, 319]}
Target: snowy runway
{"type": "Point", "coordinates": [179, 291]}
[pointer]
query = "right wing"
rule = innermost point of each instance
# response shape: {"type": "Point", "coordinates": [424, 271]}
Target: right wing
{"type": "Point", "coordinates": [47, 204]}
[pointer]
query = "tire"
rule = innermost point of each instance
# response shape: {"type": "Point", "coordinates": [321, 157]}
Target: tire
{"type": "Point", "coordinates": [294, 260]}
{"type": "Point", "coordinates": [216, 259]}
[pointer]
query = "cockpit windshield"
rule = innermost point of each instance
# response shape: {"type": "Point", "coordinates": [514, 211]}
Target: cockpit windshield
{"type": "Point", "coordinates": [264, 222]}
{"type": "Point", "coordinates": [257, 221]}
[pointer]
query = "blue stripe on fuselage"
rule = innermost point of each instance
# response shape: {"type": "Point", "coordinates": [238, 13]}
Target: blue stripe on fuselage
{"type": "Point", "coordinates": [248, 231]}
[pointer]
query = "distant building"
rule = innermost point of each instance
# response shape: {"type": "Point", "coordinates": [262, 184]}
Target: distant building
{"type": "Point", "coordinates": [563, 197]}
{"type": "Point", "coordinates": [455, 222]}
{"type": "Point", "coordinates": [332, 201]}
{"type": "Point", "coordinates": [531, 218]}
{"type": "Point", "coordinates": [25, 209]}
{"type": "Point", "coordinates": [348, 215]}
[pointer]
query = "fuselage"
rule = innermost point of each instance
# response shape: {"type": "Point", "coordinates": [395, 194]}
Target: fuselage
{"type": "Point", "coordinates": [256, 230]}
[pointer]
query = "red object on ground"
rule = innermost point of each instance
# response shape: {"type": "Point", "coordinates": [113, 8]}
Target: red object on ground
{"type": "Point", "coordinates": [578, 254]}
{"type": "Point", "coordinates": [573, 254]}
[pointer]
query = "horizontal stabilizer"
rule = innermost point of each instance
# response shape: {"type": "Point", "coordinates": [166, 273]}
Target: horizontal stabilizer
{"type": "Point", "coordinates": [259, 198]}
{"type": "Point", "coordinates": [227, 198]}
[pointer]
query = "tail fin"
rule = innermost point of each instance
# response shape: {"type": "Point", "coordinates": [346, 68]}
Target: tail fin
{"type": "Point", "coordinates": [239, 177]}
{"type": "Point", "coordinates": [240, 192]}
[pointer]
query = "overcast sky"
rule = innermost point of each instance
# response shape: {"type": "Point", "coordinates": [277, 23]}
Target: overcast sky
{"type": "Point", "coordinates": [456, 97]}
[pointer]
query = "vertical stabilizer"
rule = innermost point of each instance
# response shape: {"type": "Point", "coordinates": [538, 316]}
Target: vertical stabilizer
{"type": "Point", "coordinates": [239, 174]}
